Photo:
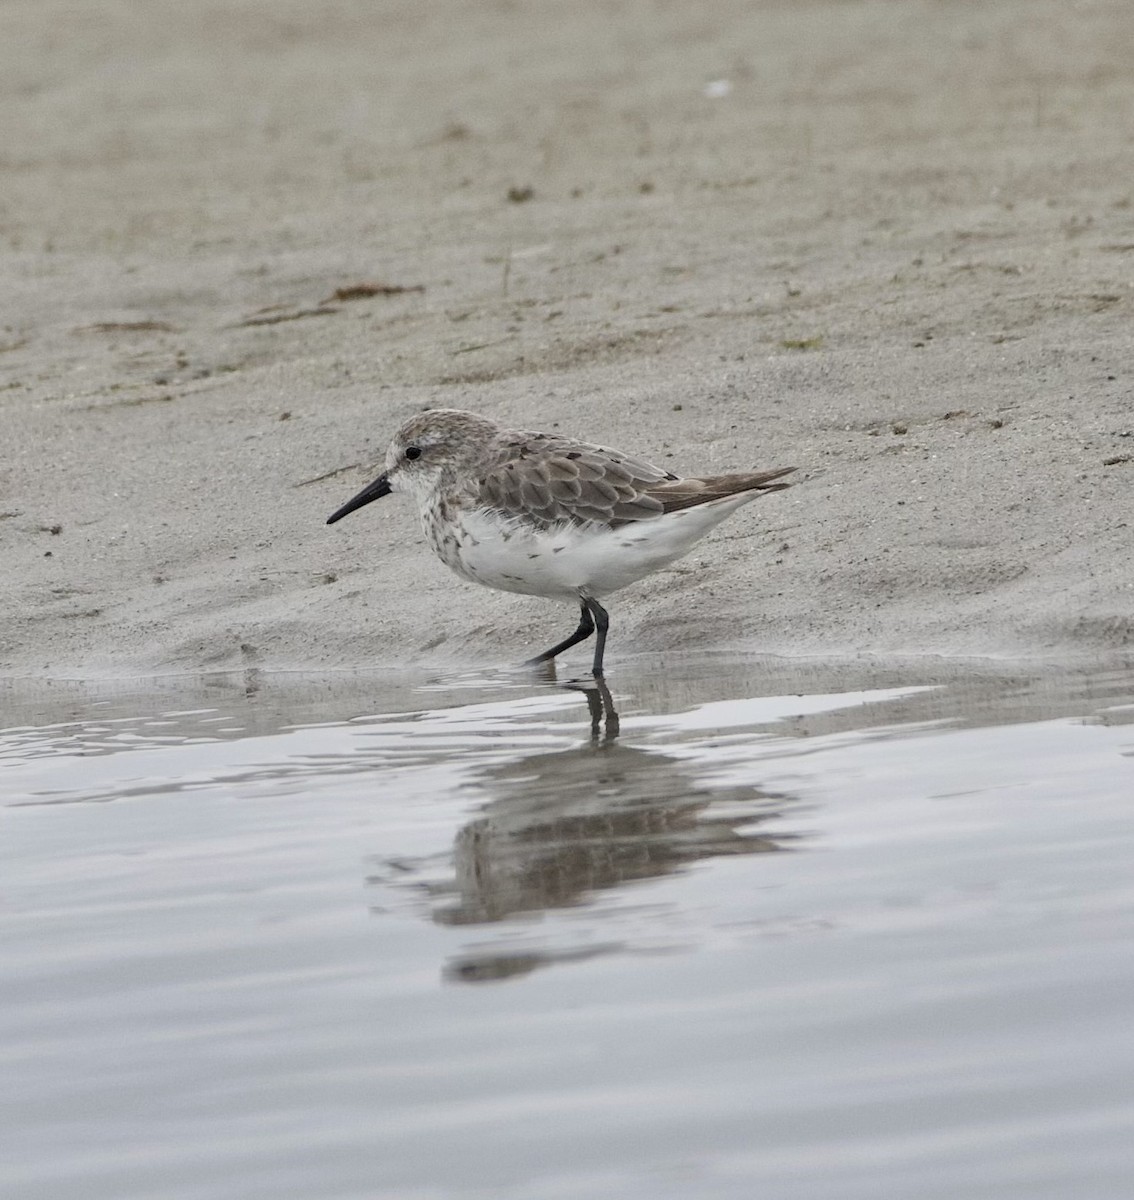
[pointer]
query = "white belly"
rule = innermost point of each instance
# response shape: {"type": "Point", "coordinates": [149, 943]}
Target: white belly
{"type": "Point", "coordinates": [570, 561]}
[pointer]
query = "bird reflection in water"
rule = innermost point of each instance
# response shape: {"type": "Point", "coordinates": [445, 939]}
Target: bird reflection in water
{"type": "Point", "coordinates": [604, 716]}
{"type": "Point", "coordinates": [562, 826]}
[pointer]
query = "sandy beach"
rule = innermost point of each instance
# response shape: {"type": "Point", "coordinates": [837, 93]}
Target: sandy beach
{"type": "Point", "coordinates": [889, 243]}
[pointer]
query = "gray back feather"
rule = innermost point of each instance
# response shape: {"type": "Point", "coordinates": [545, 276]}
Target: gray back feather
{"type": "Point", "coordinates": [555, 480]}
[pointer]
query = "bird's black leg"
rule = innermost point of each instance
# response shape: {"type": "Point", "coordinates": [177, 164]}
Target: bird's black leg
{"type": "Point", "coordinates": [601, 621]}
{"type": "Point", "coordinates": [586, 628]}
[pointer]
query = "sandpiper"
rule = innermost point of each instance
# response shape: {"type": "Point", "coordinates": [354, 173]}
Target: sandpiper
{"type": "Point", "coordinates": [546, 515]}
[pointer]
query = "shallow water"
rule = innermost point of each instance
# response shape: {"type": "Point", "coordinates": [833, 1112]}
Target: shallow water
{"type": "Point", "coordinates": [795, 930]}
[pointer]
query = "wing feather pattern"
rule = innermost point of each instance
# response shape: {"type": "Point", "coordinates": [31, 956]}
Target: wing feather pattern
{"type": "Point", "coordinates": [557, 481]}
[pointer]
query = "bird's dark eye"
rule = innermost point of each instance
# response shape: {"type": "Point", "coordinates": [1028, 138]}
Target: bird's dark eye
{"type": "Point", "coordinates": [413, 452]}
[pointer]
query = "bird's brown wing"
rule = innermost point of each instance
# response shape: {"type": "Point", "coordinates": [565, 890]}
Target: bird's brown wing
{"type": "Point", "coordinates": [554, 480]}
{"type": "Point", "coordinates": [685, 493]}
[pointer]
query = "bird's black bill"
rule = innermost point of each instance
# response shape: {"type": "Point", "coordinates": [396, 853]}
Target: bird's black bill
{"type": "Point", "coordinates": [373, 491]}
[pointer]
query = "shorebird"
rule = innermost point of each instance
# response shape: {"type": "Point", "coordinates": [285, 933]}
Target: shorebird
{"type": "Point", "coordinates": [545, 515]}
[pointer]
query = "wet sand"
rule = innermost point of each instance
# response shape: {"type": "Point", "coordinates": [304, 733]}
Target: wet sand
{"type": "Point", "coordinates": [890, 243]}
